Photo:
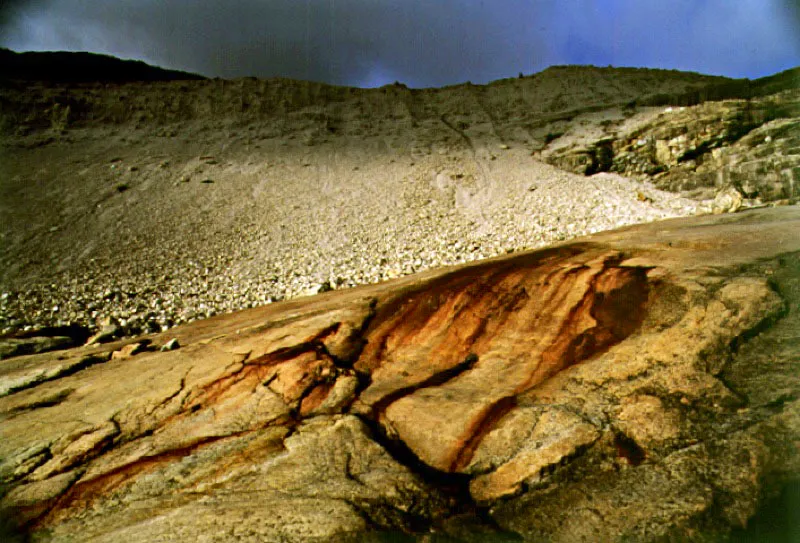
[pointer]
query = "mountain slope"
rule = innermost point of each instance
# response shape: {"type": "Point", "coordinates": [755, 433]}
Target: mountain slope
{"type": "Point", "coordinates": [149, 204]}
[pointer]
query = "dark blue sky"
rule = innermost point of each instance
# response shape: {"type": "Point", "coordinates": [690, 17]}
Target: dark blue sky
{"type": "Point", "coordinates": [419, 42]}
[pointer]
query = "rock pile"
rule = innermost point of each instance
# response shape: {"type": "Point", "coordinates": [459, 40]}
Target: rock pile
{"type": "Point", "coordinates": [442, 211]}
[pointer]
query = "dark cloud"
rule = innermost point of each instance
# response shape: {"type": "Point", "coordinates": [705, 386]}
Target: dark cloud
{"type": "Point", "coordinates": [339, 41]}
{"type": "Point", "coordinates": [9, 9]}
{"type": "Point", "coordinates": [419, 42]}
{"type": "Point", "coordinates": [791, 10]}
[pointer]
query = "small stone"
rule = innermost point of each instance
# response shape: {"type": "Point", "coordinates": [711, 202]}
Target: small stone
{"type": "Point", "coordinates": [727, 201]}
{"type": "Point", "coordinates": [106, 334]}
{"type": "Point", "coordinates": [171, 345]}
{"type": "Point", "coordinates": [128, 350]}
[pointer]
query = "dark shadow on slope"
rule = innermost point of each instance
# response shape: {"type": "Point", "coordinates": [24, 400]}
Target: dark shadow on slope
{"type": "Point", "coordinates": [777, 521]}
{"type": "Point", "coordinates": [68, 67]}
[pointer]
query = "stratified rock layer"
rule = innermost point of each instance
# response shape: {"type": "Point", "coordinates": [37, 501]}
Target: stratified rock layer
{"type": "Point", "coordinates": [638, 384]}
{"type": "Point", "coordinates": [749, 145]}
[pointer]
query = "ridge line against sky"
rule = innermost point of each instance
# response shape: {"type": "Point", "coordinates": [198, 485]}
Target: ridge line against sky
{"type": "Point", "coordinates": [422, 43]}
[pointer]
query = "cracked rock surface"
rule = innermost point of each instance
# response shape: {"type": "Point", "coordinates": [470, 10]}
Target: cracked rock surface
{"type": "Point", "coordinates": [749, 145]}
{"type": "Point", "coordinates": [639, 384]}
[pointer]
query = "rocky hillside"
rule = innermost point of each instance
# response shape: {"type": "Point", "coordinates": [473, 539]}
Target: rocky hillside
{"type": "Point", "coordinates": [749, 142]}
{"type": "Point", "coordinates": [510, 109]}
{"type": "Point", "coordinates": [640, 384]}
{"type": "Point", "coordinates": [137, 206]}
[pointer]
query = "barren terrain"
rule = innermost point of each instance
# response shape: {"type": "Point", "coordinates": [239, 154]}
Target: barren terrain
{"type": "Point", "coordinates": [635, 384]}
{"type": "Point", "coordinates": [144, 205]}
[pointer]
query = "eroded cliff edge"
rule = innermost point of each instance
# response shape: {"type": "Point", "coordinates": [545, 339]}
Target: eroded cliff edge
{"type": "Point", "coordinates": [639, 384]}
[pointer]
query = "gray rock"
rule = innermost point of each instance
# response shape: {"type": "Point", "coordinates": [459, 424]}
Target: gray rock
{"type": "Point", "coordinates": [106, 334]}
{"type": "Point", "coordinates": [171, 345]}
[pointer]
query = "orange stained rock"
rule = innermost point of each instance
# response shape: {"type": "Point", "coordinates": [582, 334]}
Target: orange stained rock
{"type": "Point", "coordinates": [449, 362]}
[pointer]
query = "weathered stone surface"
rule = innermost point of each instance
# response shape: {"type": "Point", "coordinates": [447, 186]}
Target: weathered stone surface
{"type": "Point", "coordinates": [555, 435]}
{"type": "Point", "coordinates": [727, 201]}
{"type": "Point", "coordinates": [38, 344]}
{"type": "Point", "coordinates": [450, 361]}
{"type": "Point", "coordinates": [106, 334]}
{"type": "Point", "coordinates": [639, 384]}
{"type": "Point", "coordinates": [751, 146]}
{"type": "Point", "coordinates": [129, 350]}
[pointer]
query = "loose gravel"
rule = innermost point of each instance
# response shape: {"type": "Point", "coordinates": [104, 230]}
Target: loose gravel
{"type": "Point", "coordinates": [313, 243]}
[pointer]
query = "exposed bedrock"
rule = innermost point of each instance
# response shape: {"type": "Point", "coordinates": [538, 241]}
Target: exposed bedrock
{"type": "Point", "coordinates": [639, 384]}
{"type": "Point", "coordinates": [749, 145]}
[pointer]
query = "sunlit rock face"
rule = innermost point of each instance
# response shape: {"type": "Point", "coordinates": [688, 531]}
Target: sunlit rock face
{"type": "Point", "coordinates": [747, 142]}
{"type": "Point", "coordinates": [638, 384]}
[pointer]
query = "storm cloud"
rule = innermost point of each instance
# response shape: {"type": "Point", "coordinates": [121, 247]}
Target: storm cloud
{"type": "Point", "coordinates": [419, 42]}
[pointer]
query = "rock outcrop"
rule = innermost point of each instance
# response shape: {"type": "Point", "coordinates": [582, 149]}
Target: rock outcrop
{"type": "Point", "coordinates": [636, 385]}
{"type": "Point", "coordinates": [751, 145]}
{"type": "Point", "coordinates": [513, 110]}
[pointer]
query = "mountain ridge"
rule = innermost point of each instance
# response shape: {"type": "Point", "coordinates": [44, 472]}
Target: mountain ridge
{"type": "Point", "coordinates": [81, 67]}
{"type": "Point", "coordinates": [150, 95]}
{"type": "Point", "coordinates": [30, 66]}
